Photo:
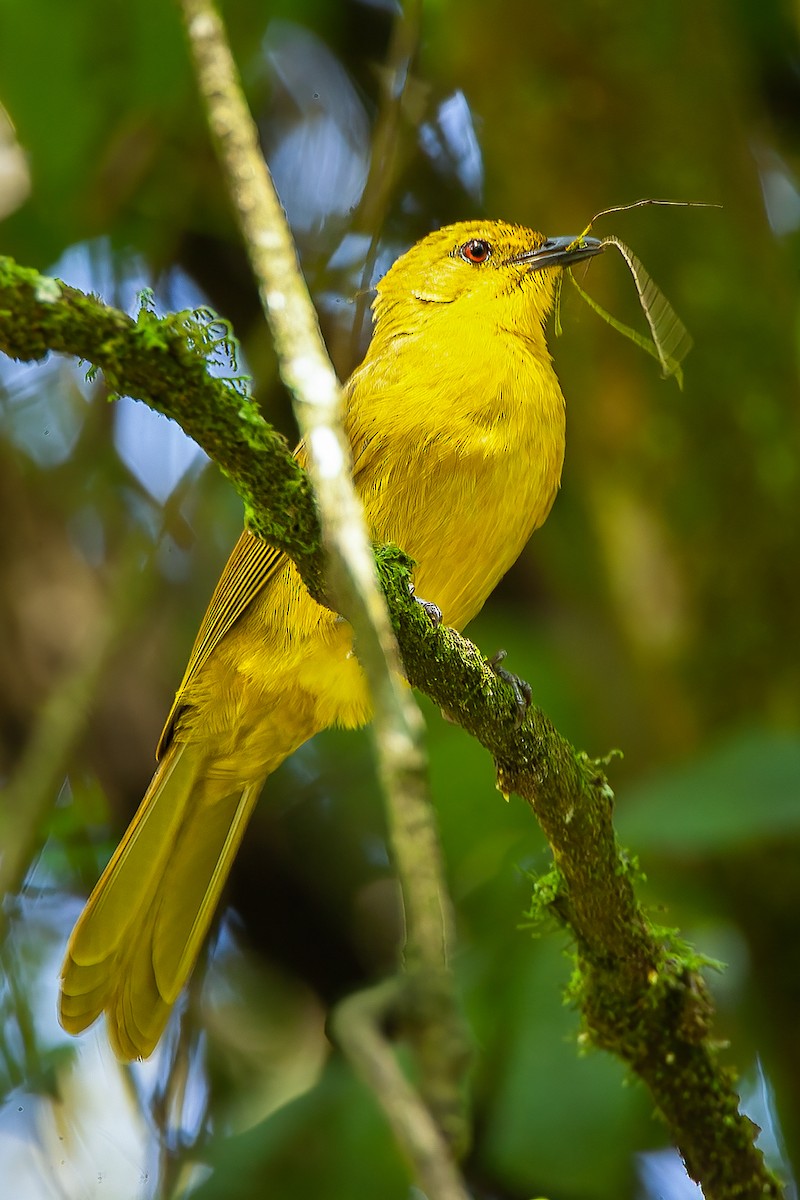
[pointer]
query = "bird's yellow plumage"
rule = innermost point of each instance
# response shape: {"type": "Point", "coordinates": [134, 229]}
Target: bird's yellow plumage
{"type": "Point", "coordinates": [456, 423]}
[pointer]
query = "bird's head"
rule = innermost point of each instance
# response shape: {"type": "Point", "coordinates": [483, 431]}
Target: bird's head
{"type": "Point", "coordinates": [478, 269]}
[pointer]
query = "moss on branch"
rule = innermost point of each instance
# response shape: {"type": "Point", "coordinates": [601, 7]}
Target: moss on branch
{"type": "Point", "coordinates": [155, 360]}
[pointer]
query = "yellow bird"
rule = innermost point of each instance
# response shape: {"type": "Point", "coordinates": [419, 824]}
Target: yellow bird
{"type": "Point", "coordinates": [456, 423]}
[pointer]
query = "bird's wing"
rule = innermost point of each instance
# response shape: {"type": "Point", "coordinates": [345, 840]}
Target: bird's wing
{"type": "Point", "coordinates": [251, 565]}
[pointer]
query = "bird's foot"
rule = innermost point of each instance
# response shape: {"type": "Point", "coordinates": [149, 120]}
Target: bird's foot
{"type": "Point", "coordinates": [432, 611]}
{"type": "Point", "coordinates": [522, 690]}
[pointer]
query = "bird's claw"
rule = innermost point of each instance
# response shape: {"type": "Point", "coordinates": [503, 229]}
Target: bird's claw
{"type": "Point", "coordinates": [432, 611]}
{"type": "Point", "coordinates": [522, 689]}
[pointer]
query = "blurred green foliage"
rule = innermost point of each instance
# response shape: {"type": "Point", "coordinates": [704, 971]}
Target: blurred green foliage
{"type": "Point", "coordinates": [656, 611]}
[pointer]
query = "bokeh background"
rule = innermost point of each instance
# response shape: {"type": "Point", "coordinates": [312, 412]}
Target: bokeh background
{"type": "Point", "coordinates": [657, 612]}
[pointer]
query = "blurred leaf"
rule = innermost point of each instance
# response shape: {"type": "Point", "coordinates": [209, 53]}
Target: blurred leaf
{"type": "Point", "coordinates": [331, 1143]}
{"type": "Point", "coordinates": [557, 1121]}
{"type": "Point", "coordinates": [746, 789]}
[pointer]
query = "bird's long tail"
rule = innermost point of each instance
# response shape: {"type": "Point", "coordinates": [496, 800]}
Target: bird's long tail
{"type": "Point", "coordinates": [139, 936]}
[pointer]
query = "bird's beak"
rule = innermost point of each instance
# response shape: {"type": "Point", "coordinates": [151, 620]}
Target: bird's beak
{"type": "Point", "coordinates": [560, 251]}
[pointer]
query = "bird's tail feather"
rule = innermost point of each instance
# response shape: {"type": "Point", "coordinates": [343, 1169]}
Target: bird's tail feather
{"type": "Point", "coordinates": [140, 934]}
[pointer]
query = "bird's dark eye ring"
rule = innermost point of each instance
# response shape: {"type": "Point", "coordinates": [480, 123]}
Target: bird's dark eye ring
{"type": "Point", "coordinates": [476, 250]}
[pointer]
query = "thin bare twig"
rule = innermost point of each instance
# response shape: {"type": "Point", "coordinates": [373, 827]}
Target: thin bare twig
{"type": "Point", "coordinates": [358, 1027]}
{"type": "Point", "coordinates": [307, 372]}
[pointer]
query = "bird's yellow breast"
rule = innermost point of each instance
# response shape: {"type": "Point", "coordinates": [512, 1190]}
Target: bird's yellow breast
{"type": "Point", "coordinates": [459, 468]}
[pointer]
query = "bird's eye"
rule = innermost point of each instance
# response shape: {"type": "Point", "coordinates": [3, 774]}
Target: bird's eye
{"type": "Point", "coordinates": [476, 250]}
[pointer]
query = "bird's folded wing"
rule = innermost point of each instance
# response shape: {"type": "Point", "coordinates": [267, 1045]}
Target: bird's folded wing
{"type": "Point", "coordinates": [251, 565]}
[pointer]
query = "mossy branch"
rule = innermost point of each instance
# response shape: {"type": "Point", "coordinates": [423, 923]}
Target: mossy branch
{"type": "Point", "coordinates": [639, 989]}
{"type": "Point", "coordinates": [640, 994]}
{"type": "Point", "coordinates": [155, 359]}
